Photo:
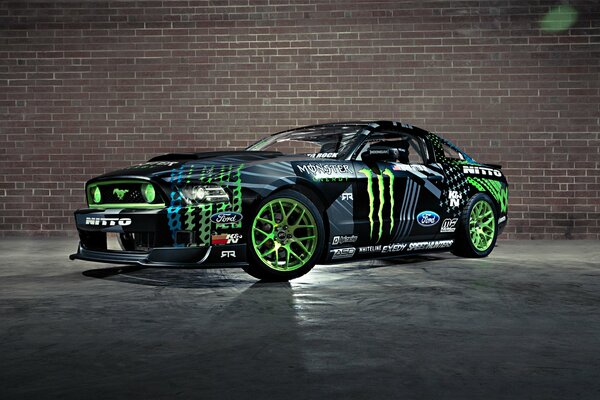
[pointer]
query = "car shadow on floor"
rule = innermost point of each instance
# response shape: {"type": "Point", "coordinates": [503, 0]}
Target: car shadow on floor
{"type": "Point", "coordinates": [230, 277]}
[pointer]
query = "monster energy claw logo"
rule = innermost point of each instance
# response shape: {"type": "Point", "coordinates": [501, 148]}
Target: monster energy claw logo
{"type": "Point", "coordinates": [369, 174]}
{"type": "Point", "coordinates": [120, 193]}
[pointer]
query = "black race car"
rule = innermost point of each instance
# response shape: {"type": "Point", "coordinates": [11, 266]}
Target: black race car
{"type": "Point", "coordinates": [317, 194]}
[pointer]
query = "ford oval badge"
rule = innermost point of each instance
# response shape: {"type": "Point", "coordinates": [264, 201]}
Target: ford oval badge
{"type": "Point", "coordinates": [226, 218]}
{"type": "Point", "coordinates": [428, 218]}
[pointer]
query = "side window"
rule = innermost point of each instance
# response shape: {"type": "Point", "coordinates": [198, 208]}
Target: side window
{"type": "Point", "coordinates": [449, 152]}
{"type": "Point", "coordinates": [416, 149]}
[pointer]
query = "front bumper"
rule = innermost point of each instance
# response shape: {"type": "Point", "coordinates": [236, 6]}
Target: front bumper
{"type": "Point", "coordinates": [151, 242]}
{"type": "Point", "coordinates": [171, 257]}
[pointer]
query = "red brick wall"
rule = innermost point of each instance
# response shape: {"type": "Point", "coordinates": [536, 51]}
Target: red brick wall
{"type": "Point", "coordinates": [87, 87]}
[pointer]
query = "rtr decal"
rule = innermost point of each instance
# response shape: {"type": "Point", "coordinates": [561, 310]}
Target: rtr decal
{"type": "Point", "coordinates": [428, 218]}
{"type": "Point", "coordinates": [347, 196]}
{"type": "Point", "coordinates": [228, 254]}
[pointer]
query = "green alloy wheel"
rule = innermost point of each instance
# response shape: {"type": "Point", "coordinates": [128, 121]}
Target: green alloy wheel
{"type": "Point", "coordinates": [482, 225]}
{"type": "Point", "coordinates": [477, 233]}
{"type": "Point", "coordinates": [286, 237]}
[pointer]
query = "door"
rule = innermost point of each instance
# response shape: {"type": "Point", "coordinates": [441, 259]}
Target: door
{"type": "Point", "coordinates": [396, 202]}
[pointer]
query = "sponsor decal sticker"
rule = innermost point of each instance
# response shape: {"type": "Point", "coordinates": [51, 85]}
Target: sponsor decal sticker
{"type": "Point", "coordinates": [104, 221]}
{"type": "Point", "coordinates": [474, 170]}
{"type": "Point", "coordinates": [327, 172]}
{"type": "Point", "coordinates": [455, 197]}
{"type": "Point", "coordinates": [370, 181]}
{"type": "Point", "coordinates": [347, 196]}
{"type": "Point", "coordinates": [448, 225]}
{"type": "Point", "coordinates": [156, 164]}
{"type": "Point", "coordinates": [322, 155]}
{"type": "Point", "coordinates": [226, 218]}
{"type": "Point", "coordinates": [369, 249]}
{"type": "Point", "coordinates": [226, 238]}
{"type": "Point", "coordinates": [394, 247]}
{"type": "Point", "coordinates": [344, 239]}
{"type": "Point", "coordinates": [343, 253]}
{"type": "Point", "coordinates": [428, 218]}
{"type": "Point", "coordinates": [228, 254]}
{"type": "Point", "coordinates": [439, 244]}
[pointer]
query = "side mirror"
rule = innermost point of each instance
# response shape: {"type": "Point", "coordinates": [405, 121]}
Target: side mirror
{"type": "Point", "coordinates": [375, 154]}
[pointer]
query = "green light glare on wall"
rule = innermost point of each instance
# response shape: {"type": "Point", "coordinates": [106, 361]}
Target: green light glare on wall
{"type": "Point", "coordinates": [559, 18]}
{"type": "Point", "coordinates": [149, 192]}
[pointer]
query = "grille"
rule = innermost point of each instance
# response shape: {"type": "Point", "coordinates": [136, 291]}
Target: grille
{"type": "Point", "coordinates": [122, 192]}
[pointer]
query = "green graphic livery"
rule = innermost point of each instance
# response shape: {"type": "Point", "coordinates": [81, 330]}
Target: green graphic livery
{"type": "Point", "coordinates": [380, 185]}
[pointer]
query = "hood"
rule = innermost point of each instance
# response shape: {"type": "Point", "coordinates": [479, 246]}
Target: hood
{"type": "Point", "coordinates": [164, 165]}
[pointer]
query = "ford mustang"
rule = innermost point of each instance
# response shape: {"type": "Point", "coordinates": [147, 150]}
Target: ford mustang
{"type": "Point", "coordinates": [312, 195]}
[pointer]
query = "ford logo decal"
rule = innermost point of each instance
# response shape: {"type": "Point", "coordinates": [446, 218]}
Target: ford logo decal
{"type": "Point", "coordinates": [226, 218]}
{"type": "Point", "coordinates": [428, 218]}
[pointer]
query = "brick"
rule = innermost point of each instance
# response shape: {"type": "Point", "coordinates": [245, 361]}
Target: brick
{"type": "Point", "coordinates": [135, 79]}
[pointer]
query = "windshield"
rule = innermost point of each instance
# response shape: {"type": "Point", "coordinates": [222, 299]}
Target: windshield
{"type": "Point", "coordinates": [319, 142]}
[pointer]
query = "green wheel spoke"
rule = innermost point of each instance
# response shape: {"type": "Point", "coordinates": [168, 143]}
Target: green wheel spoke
{"type": "Point", "coordinates": [268, 252]}
{"type": "Point", "coordinates": [303, 246]}
{"type": "Point", "coordinates": [264, 241]}
{"type": "Point", "coordinates": [305, 238]}
{"type": "Point", "coordinates": [262, 232]}
{"type": "Point", "coordinates": [295, 255]}
{"type": "Point", "coordinates": [268, 221]}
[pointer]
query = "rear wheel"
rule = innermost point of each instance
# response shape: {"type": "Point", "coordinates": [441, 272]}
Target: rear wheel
{"type": "Point", "coordinates": [286, 237]}
{"type": "Point", "coordinates": [478, 229]}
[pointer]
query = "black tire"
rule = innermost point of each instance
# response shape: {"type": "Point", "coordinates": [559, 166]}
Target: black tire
{"type": "Point", "coordinates": [264, 269]}
{"type": "Point", "coordinates": [464, 245]}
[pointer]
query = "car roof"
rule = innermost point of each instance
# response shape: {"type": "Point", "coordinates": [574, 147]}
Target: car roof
{"type": "Point", "coordinates": [373, 125]}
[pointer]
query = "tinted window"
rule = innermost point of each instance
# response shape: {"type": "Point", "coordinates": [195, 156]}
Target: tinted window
{"type": "Point", "coordinates": [416, 149]}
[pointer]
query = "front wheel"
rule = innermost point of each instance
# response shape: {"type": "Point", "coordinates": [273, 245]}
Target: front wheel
{"type": "Point", "coordinates": [478, 230]}
{"type": "Point", "coordinates": [286, 237]}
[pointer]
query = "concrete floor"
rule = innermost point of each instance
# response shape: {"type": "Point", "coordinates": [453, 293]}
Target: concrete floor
{"type": "Point", "coordinates": [521, 324]}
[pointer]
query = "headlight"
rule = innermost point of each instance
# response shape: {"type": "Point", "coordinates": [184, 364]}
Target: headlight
{"type": "Point", "coordinates": [96, 195]}
{"type": "Point", "coordinates": [148, 192]}
{"type": "Point", "coordinates": [205, 194]}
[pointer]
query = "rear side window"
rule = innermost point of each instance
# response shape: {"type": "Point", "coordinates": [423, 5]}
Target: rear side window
{"type": "Point", "coordinates": [416, 150]}
{"type": "Point", "coordinates": [449, 152]}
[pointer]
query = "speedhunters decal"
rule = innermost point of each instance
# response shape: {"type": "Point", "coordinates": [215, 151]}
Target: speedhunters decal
{"type": "Point", "coordinates": [393, 248]}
